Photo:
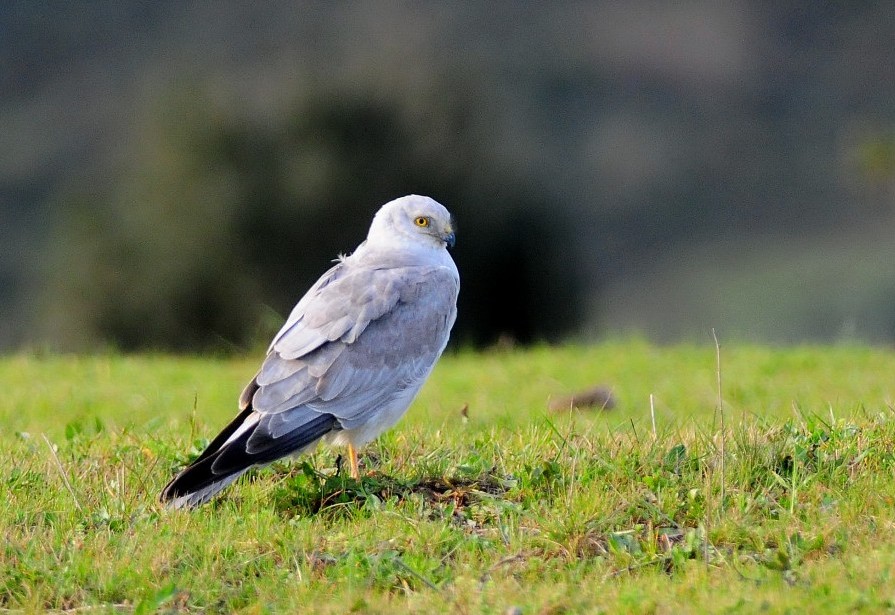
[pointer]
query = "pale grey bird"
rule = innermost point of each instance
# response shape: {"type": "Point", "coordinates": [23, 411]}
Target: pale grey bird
{"type": "Point", "coordinates": [351, 357]}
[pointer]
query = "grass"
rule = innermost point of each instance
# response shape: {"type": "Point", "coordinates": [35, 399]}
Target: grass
{"type": "Point", "coordinates": [504, 506]}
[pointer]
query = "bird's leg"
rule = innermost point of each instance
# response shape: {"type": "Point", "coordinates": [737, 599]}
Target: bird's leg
{"type": "Point", "coordinates": [352, 461]}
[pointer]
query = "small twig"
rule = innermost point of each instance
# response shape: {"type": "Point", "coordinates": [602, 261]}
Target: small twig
{"type": "Point", "coordinates": [720, 412]}
{"type": "Point", "coordinates": [256, 558]}
{"type": "Point", "coordinates": [193, 416]}
{"type": "Point", "coordinates": [708, 508]}
{"type": "Point", "coordinates": [423, 579]}
{"type": "Point", "coordinates": [509, 559]}
{"type": "Point", "coordinates": [572, 482]}
{"type": "Point", "coordinates": [115, 606]}
{"type": "Point", "coordinates": [141, 478]}
{"type": "Point", "coordinates": [565, 443]}
{"type": "Point", "coordinates": [652, 412]}
{"type": "Point", "coordinates": [62, 473]}
{"type": "Point", "coordinates": [633, 567]}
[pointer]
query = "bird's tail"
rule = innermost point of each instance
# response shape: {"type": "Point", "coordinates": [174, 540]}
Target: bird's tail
{"type": "Point", "coordinates": [198, 483]}
{"type": "Point", "coordinates": [229, 455]}
{"type": "Point", "coordinates": [192, 499]}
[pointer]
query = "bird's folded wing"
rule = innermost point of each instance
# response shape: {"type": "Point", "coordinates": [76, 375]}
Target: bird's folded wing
{"type": "Point", "coordinates": [360, 338]}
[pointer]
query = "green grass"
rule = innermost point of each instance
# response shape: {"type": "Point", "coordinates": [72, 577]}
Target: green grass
{"type": "Point", "coordinates": [510, 506]}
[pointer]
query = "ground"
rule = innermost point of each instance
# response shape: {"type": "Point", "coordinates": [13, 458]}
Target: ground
{"type": "Point", "coordinates": [779, 498]}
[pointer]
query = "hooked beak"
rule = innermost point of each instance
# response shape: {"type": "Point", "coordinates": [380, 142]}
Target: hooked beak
{"type": "Point", "coordinates": [450, 237]}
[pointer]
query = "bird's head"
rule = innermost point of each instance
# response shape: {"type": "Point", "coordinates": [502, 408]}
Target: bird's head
{"type": "Point", "coordinates": [415, 219]}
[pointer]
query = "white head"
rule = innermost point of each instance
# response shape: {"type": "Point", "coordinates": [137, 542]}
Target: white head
{"type": "Point", "coordinates": [412, 219]}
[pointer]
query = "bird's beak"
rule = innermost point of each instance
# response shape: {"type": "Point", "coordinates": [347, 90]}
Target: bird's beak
{"type": "Point", "coordinates": [450, 237]}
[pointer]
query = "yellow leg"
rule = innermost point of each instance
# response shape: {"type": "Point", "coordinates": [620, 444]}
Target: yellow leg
{"type": "Point", "coordinates": [352, 461]}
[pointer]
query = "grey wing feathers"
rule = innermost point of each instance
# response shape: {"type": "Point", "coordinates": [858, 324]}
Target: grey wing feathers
{"type": "Point", "coordinates": [405, 325]}
{"type": "Point", "coordinates": [339, 307]}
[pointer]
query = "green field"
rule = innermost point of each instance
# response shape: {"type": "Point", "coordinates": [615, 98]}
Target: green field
{"type": "Point", "coordinates": [782, 501]}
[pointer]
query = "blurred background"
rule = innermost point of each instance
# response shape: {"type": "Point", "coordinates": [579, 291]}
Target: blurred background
{"type": "Point", "coordinates": [174, 175]}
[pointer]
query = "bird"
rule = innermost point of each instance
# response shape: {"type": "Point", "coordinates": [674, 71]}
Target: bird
{"type": "Point", "coordinates": [350, 358]}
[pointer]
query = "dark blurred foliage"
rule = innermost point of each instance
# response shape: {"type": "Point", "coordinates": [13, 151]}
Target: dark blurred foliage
{"type": "Point", "coordinates": [179, 173]}
{"type": "Point", "coordinates": [246, 215]}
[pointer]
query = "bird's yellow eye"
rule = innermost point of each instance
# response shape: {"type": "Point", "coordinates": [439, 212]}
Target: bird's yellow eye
{"type": "Point", "coordinates": [421, 221]}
